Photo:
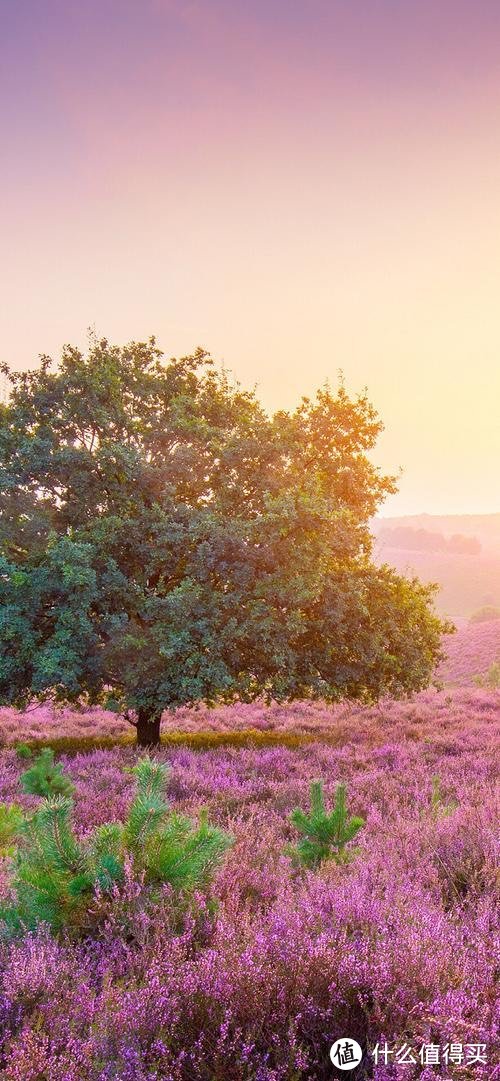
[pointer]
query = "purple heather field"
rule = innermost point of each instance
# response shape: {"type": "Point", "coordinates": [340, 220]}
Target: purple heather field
{"type": "Point", "coordinates": [400, 945]}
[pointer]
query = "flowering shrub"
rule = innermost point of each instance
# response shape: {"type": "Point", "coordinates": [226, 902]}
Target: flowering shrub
{"type": "Point", "coordinates": [471, 654]}
{"type": "Point", "coordinates": [397, 945]}
{"type": "Point", "coordinates": [258, 725]}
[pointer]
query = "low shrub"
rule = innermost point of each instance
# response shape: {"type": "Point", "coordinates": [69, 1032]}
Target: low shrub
{"type": "Point", "coordinates": [46, 777]}
{"type": "Point", "coordinates": [54, 875]}
{"type": "Point", "coordinates": [325, 835]}
{"type": "Point", "coordinates": [396, 946]}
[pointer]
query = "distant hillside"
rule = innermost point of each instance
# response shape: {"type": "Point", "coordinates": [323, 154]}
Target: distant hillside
{"type": "Point", "coordinates": [485, 527]}
{"type": "Point", "coordinates": [460, 552]}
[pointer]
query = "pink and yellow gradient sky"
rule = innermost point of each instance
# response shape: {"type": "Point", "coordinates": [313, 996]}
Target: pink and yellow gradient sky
{"type": "Point", "coordinates": [298, 185]}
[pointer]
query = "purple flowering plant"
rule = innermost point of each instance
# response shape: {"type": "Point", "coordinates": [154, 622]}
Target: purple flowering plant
{"type": "Point", "coordinates": [401, 940]}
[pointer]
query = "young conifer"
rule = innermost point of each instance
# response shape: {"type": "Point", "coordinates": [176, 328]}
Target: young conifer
{"type": "Point", "coordinates": [45, 777]}
{"type": "Point", "coordinates": [324, 835]}
{"type": "Point", "coordinates": [54, 875]}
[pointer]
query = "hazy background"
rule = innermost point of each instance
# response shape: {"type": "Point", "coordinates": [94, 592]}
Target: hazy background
{"type": "Point", "coordinates": [460, 552]}
{"type": "Point", "coordinates": [297, 186]}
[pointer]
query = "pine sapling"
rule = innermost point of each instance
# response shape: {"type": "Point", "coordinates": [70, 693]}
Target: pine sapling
{"type": "Point", "coordinates": [186, 854]}
{"type": "Point", "coordinates": [168, 847]}
{"type": "Point", "coordinates": [23, 751]}
{"type": "Point", "coordinates": [45, 777]}
{"type": "Point", "coordinates": [325, 835]}
{"type": "Point", "coordinates": [54, 875]}
{"type": "Point", "coordinates": [149, 808]}
{"type": "Point", "coordinates": [51, 870]}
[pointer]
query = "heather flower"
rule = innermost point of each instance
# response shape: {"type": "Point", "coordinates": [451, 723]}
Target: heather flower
{"type": "Point", "coordinates": [400, 944]}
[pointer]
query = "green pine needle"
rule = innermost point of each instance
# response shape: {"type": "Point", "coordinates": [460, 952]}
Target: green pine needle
{"type": "Point", "coordinates": [11, 817]}
{"type": "Point", "coordinates": [45, 777]}
{"type": "Point", "coordinates": [54, 875]}
{"type": "Point", "coordinates": [324, 835]}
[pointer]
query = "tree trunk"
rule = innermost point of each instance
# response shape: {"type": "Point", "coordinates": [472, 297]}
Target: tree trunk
{"type": "Point", "coordinates": [148, 728]}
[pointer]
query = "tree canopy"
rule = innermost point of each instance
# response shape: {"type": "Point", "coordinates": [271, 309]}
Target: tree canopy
{"type": "Point", "coordinates": [164, 541]}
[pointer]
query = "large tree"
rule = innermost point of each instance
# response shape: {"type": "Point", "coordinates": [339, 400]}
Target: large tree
{"type": "Point", "coordinates": [163, 541]}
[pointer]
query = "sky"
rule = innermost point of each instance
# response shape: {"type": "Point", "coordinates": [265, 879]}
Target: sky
{"type": "Point", "coordinates": [299, 186]}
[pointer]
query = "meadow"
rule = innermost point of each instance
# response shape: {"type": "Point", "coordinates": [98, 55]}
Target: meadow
{"type": "Point", "coordinates": [395, 947]}
{"type": "Point", "coordinates": [470, 653]}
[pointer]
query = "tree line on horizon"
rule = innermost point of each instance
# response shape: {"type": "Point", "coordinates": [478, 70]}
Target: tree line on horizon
{"type": "Point", "coordinates": [426, 540]}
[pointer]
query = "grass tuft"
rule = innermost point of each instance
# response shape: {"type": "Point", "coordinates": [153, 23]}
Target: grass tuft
{"type": "Point", "coordinates": [197, 741]}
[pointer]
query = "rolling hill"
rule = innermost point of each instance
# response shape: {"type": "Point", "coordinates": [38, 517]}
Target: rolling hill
{"type": "Point", "coordinates": [429, 546]}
